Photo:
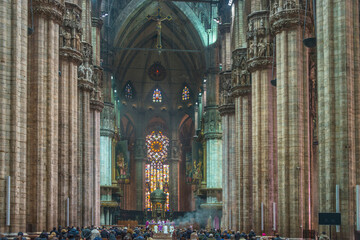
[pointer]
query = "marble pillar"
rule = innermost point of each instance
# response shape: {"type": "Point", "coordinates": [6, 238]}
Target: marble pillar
{"type": "Point", "coordinates": [174, 173]}
{"type": "Point", "coordinates": [42, 117]}
{"type": "Point", "coordinates": [260, 58]}
{"type": "Point", "coordinates": [213, 143]}
{"type": "Point", "coordinates": [139, 166]}
{"type": "Point", "coordinates": [228, 160]}
{"type": "Point", "coordinates": [70, 58]}
{"type": "Point", "coordinates": [106, 142]}
{"type": "Point", "coordinates": [13, 114]}
{"type": "Point", "coordinates": [338, 103]}
{"type": "Point", "coordinates": [85, 164]}
{"type": "Point", "coordinates": [292, 118]}
{"type": "Point", "coordinates": [241, 92]}
{"type": "Point", "coordinates": [96, 106]}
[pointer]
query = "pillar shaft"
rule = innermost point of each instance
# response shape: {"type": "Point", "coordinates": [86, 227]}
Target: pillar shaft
{"type": "Point", "coordinates": [70, 58]}
{"type": "Point", "coordinates": [42, 148]}
{"type": "Point", "coordinates": [338, 91]}
{"type": "Point", "coordinates": [292, 119]}
{"type": "Point", "coordinates": [260, 57]}
{"type": "Point", "coordinates": [13, 116]}
{"type": "Point", "coordinates": [241, 93]}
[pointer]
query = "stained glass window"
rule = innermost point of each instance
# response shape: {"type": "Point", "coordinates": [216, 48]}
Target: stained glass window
{"type": "Point", "coordinates": [128, 91]}
{"type": "Point", "coordinates": [157, 97]}
{"type": "Point", "coordinates": [185, 94]}
{"type": "Point", "coordinates": [156, 171]}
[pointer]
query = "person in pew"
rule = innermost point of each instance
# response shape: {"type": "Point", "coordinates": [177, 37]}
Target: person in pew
{"type": "Point", "coordinates": [85, 233]}
{"type": "Point", "coordinates": [2, 237]}
{"type": "Point", "coordinates": [20, 236]}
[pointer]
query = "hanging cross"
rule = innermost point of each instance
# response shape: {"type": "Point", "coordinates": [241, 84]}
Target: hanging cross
{"type": "Point", "coordinates": [159, 19]}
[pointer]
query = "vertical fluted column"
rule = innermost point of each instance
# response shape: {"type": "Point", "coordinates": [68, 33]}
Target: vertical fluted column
{"type": "Point", "coordinates": [241, 92]}
{"type": "Point", "coordinates": [70, 58]}
{"type": "Point", "coordinates": [226, 111]}
{"type": "Point", "coordinates": [139, 165]}
{"type": "Point", "coordinates": [228, 161]}
{"type": "Point", "coordinates": [225, 172]}
{"type": "Point", "coordinates": [85, 84]}
{"type": "Point", "coordinates": [212, 132]}
{"type": "Point", "coordinates": [42, 130]}
{"type": "Point", "coordinates": [338, 101]}
{"type": "Point", "coordinates": [13, 115]}
{"type": "Point", "coordinates": [263, 106]}
{"type": "Point", "coordinates": [96, 106]}
{"type": "Point", "coordinates": [174, 173]}
{"type": "Point", "coordinates": [292, 117]}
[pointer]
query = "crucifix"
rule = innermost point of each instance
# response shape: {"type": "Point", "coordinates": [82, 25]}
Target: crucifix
{"type": "Point", "coordinates": [159, 18]}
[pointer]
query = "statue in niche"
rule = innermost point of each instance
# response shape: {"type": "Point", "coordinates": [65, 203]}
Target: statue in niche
{"type": "Point", "coordinates": [174, 152]}
{"type": "Point", "coordinates": [243, 79]}
{"type": "Point", "coordinates": [269, 49]}
{"type": "Point", "coordinates": [289, 4]}
{"type": "Point", "coordinates": [262, 49]}
{"type": "Point", "coordinates": [252, 49]}
{"type": "Point", "coordinates": [77, 42]}
{"type": "Point", "coordinates": [262, 23]}
{"type": "Point", "coordinates": [121, 165]}
{"type": "Point", "coordinates": [275, 7]}
{"type": "Point", "coordinates": [67, 14]}
{"type": "Point", "coordinates": [234, 76]}
{"type": "Point", "coordinates": [66, 39]}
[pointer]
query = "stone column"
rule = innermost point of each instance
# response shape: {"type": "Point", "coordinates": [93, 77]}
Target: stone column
{"type": "Point", "coordinates": [212, 132]}
{"type": "Point", "coordinates": [139, 165]}
{"type": "Point", "coordinates": [338, 103]}
{"type": "Point", "coordinates": [70, 58]}
{"type": "Point", "coordinates": [241, 92]}
{"type": "Point", "coordinates": [228, 160]}
{"type": "Point", "coordinates": [287, 18]}
{"type": "Point", "coordinates": [13, 115]}
{"type": "Point", "coordinates": [42, 119]}
{"type": "Point", "coordinates": [106, 139]}
{"type": "Point", "coordinates": [96, 106]}
{"type": "Point", "coordinates": [174, 175]}
{"type": "Point", "coordinates": [86, 86]}
{"type": "Point", "coordinates": [260, 56]}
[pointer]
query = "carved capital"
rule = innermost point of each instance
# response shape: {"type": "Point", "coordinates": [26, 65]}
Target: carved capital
{"type": "Point", "coordinates": [71, 55]}
{"type": "Point", "coordinates": [98, 76]}
{"type": "Point", "coordinates": [97, 22]}
{"type": "Point", "coordinates": [290, 15]}
{"type": "Point", "coordinates": [72, 17]}
{"type": "Point", "coordinates": [259, 63]}
{"type": "Point", "coordinates": [225, 86]}
{"type": "Point", "coordinates": [96, 105]}
{"type": "Point", "coordinates": [107, 119]}
{"type": "Point", "coordinates": [212, 120]}
{"type": "Point", "coordinates": [51, 9]}
{"type": "Point", "coordinates": [85, 85]}
{"type": "Point", "coordinates": [227, 109]}
{"type": "Point", "coordinates": [240, 74]}
{"type": "Point", "coordinates": [238, 91]}
{"type": "Point", "coordinates": [224, 28]}
{"type": "Point", "coordinates": [259, 40]}
{"type": "Point", "coordinates": [258, 24]}
{"type": "Point", "coordinates": [217, 135]}
{"type": "Point", "coordinates": [87, 52]}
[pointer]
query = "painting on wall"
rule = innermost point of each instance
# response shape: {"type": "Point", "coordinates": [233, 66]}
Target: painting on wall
{"type": "Point", "coordinates": [122, 162]}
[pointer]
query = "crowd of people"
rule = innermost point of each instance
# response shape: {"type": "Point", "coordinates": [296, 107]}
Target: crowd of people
{"type": "Point", "coordinates": [144, 233]}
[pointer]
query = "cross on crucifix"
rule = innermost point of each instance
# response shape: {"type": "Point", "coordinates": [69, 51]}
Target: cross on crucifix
{"type": "Point", "coordinates": [159, 18]}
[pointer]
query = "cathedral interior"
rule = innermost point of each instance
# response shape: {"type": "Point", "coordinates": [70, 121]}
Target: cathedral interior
{"type": "Point", "coordinates": [241, 114]}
